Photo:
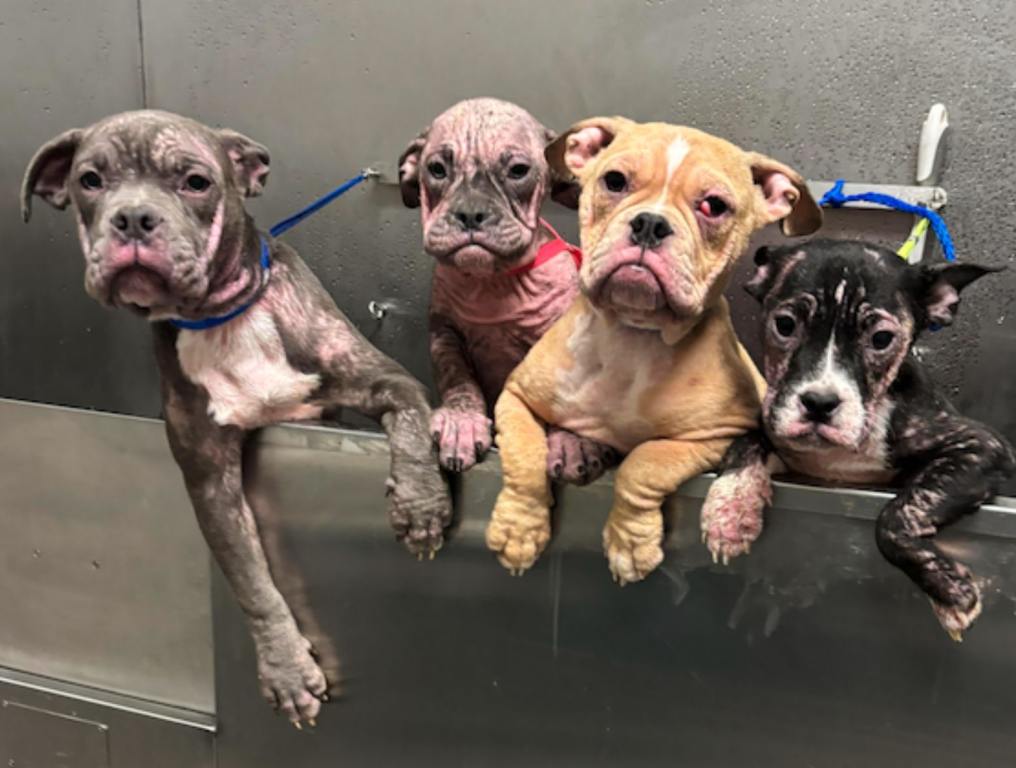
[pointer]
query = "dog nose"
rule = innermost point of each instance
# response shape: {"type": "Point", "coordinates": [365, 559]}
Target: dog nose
{"type": "Point", "coordinates": [136, 222]}
{"type": "Point", "coordinates": [819, 406]}
{"type": "Point", "coordinates": [649, 230]}
{"type": "Point", "coordinates": [471, 218]}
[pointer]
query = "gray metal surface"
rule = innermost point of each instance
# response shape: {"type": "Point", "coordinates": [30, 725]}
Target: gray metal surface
{"type": "Point", "coordinates": [54, 725]}
{"type": "Point", "coordinates": [63, 64]}
{"type": "Point", "coordinates": [837, 90]}
{"type": "Point", "coordinates": [105, 575]}
{"type": "Point", "coordinates": [810, 652]}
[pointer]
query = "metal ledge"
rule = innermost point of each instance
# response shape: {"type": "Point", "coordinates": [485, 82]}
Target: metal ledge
{"type": "Point", "coordinates": [930, 197]}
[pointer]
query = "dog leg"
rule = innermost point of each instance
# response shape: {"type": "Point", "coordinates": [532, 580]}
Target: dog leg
{"type": "Point", "coordinates": [633, 536]}
{"type": "Point", "coordinates": [419, 503]}
{"type": "Point", "coordinates": [575, 459]}
{"type": "Point", "coordinates": [733, 509]}
{"type": "Point", "coordinates": [460, 427]}
{"type": "Point", "coordinates": [970, 464]}
{"type": "Point", "coordinates": [210, 458]}
{"type": "Point", "coordinates": [519, 527]}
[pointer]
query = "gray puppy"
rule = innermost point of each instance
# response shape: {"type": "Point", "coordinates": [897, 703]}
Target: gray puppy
{"type": "Point", "coordinates": [245, 336]}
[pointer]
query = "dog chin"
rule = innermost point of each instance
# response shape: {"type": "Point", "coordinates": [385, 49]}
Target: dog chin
{"type": "Point", "coordinates": [139, 289]}
{"type": "Point", "coordinates": [807, 435]}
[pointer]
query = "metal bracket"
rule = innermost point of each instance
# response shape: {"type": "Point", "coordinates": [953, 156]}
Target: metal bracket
{"type": "Point", "coordinates": [930, 158]}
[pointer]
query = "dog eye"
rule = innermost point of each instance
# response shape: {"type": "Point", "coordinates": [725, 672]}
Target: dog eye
{"type": "Point", "coordinates": [518, 171]}
{"type": "Point", "coordinates": [197, 183]}
{"type": "Point", "coordinates": [713, 207]}
{"type": "Point", "coordinates": [785, 325]}
{"type": "Point", "coordinates": [91, 180]}
{"type": "Point", "coordinates": [437, 170]}
{"type": "Point", "coordinates": [882, 339]}
{"type": "Point", "coordinates": [615, 181]}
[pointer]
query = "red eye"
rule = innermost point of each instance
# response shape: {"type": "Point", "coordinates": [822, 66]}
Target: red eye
{"type": "Point", "coordinates": [713, 207]}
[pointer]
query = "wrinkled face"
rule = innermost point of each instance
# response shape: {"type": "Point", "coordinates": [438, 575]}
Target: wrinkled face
{"type": "Point", "coordinates": [480, 178]}
{"type": "Point", "coordinates": [154, 195]}
{"type": "Point", "coordinates": [836, 333]}
{"type": "Point", "coordinates": [839, 319]}
{"type": "Point", "coordinates": [665, 211]}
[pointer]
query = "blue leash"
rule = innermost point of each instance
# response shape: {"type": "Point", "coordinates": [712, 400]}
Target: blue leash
{"type": "Point", "coordinates": [835, 198]}
{"type": "Point", "coordinates": [266, 259]}
{"type": "Point", "coordinates": [317, 205]}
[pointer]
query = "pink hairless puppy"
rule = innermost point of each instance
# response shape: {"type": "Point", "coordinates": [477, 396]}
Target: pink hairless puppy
{"type": "Point", "coordinates": [502, 278]}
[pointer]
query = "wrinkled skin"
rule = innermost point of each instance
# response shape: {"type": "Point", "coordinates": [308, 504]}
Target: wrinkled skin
{"type": "Point", "coordinates": [479, 177]}
{"type": "Point", "coordinates": [645, 359]}
{"type": "Point", "coordinates": [159, 203]}
{"type": "Point", "coordinates": [848, 402]}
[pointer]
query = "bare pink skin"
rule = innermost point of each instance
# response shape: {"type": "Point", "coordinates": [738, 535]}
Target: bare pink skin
{"type": "Point", "coordinates": [483, 319]}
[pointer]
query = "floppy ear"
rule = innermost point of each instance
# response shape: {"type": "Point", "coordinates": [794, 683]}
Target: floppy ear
{"type": "Point", "coordinates": [941, 286]}
{"type": "Point", "coordinates": [760, 283]}
{"type": "Point", "coordinates": [409, 170]}
{"type": "Point", "coordinates": [46, 174]}
{"type": "Point", "coordinates": [250, 162]}
{"type": "Point", "coordinates": [569, 153]}
{"type": "Point", "coordinates": [771, 267]}
{"type": "Point", "coordinates": [785, 196]}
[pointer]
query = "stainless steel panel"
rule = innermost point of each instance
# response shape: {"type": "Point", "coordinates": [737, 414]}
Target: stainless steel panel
{"type": "Point", "coordinates": [105, 573]}
{"type": "Point", "coordinates": [54, 725]}
{"type": "Point", "coordinates": [811, 652]}
{"type": "Point", "coordinates": [63, 64]}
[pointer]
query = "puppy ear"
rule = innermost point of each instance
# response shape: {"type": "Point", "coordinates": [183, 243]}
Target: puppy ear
{"type": "Point", "coordinates": [46, 174]}
{"type": "Point", "coordinates": [564, 189]}
{"type": "Point", "coordinates": [573, 150]}
{"type": "Point", "coordinates": [760, 283]}
{"type": "Point", "coordinates": [941, 286]}
{"type": "Point", "coordinates": [250, 162]}
{"type": "Point", "coordinates": [409, 170]}
{"type": "Point", "coordinates": [785, 196]}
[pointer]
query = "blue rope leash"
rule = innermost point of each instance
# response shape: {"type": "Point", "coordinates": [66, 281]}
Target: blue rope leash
{"type": "Point", "coordinates": [266, 259]}
{"type": "Point", "coordinates": [290, 222]}
{"type": "Point", "coordinates": [835, 198]}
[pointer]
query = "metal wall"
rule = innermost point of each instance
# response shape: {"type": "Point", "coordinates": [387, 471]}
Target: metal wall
{"type": "Point", "coordinates": [836, 89]}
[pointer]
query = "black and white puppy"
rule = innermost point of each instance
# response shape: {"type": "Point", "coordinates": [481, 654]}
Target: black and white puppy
{"type": "Point", "coordinates": [849, 403]}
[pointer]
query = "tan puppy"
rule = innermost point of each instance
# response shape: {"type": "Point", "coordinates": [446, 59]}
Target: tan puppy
{"type": "Point", "coordinates": [646, 359]}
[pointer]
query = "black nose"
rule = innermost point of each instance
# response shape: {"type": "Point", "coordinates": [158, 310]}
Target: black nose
{"type": "Point", "coordinates": [471, 219]}
{"type": "Point", "coordinates": [820, 405]}
{"type": "Point", "coordinates": [649, 230]}
{"type": "Point", "coordinates": [135, 222]}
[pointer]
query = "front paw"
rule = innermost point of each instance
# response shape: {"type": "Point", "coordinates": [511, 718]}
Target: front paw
{"type": "Point", "coordinates": [290, 677]}
{"type": "Point", "coordinates": [633, 551]}
{"type": "Point", "coordinates": [517, 534]}
{"type": "Point", "coordinates": [420, 508]}
{"type": "Point", "coordinates": [463, 437]}
{"type": "Point", "coordinates": [964, 604]}
{"type": "Point", "coordinates": [575, 459]}
{"type": "Point", "coordinates": [733, 511]}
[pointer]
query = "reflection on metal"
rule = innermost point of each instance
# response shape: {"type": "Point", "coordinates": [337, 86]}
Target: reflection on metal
{"type": "Point", "coordinates": [812, 650]}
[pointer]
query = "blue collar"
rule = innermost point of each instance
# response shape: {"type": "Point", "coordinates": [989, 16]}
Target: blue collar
{"type": "Point", "coordinates": [214, 322]}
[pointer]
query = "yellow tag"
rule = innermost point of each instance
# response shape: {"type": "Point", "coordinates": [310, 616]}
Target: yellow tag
{"type": "Point", "coordinates": [915, 234]}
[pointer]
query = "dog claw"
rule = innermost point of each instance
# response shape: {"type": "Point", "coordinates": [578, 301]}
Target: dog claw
{"type": "Point", "coordinates": [296, 724]}
{"type": "Point", "coordinates": [716, 556]}
{"type": "Point", "coordinates": [312, 722]}
{"type": "Point", "coordinates": [956, 635]}
{"type": "Point", "coordinates": [726, 559]}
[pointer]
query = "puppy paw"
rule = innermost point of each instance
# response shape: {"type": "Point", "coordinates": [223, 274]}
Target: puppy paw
{"type": "Point", "coordinates": [732, 512]}
{"type": "Point", "coordinates": [290, 677]}
{"type": "Point", "coordinates": [463, 437]}
{"type": "Point", "coordinates": [633, 552]}
{"type": "Point", "coordinates": [575, 459]}
{"type": "Point", "coordinates": [964, 604]}
{"type": "Point", "coordinates": [518, 535]}
{"type": "Point", "coordinates": [420, 508]}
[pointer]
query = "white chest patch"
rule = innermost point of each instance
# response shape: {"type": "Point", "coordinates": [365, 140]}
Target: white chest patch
{"type": "Point", "coordinates": [600, 396]}
{"type": "Point", "coordinates": [243, 367]}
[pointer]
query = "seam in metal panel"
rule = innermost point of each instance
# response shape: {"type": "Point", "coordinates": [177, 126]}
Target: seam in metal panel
{"type": "Point", "coordinates": [141, 57]}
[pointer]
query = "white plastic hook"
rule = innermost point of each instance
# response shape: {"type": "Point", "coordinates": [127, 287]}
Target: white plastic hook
{"type": "Point", "coordinates": [929, 152]}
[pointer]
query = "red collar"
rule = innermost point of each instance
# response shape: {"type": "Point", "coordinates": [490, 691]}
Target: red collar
{"type": "Point", "coordinates": [548, 251]}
